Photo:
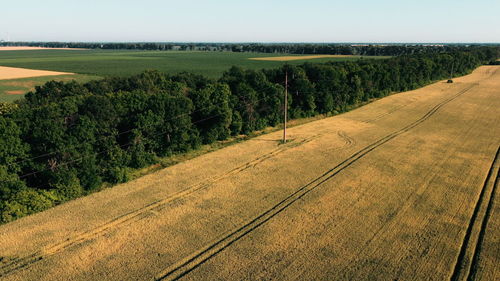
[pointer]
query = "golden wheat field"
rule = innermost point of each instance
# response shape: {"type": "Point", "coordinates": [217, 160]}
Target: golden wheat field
{"type": "Point", "coordinates": [404, 188]}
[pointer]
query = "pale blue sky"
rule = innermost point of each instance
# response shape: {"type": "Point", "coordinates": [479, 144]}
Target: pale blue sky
{"type": "Point", "coordinates": [251, 21]}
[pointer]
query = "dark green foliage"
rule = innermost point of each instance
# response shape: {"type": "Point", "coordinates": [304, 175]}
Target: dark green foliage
{"type": "Point", "coordinates": [12, 149]}
{"type": "Point", "coordinates": [212, 113]}
{"type": "Point", "coordinates": [24, 202]}
{"type": "Point", "coordinates": [68, 186]}
{"type": "Point", "coordinates": [65, 139]}
{"type": "Point", "coordinates": [255, 100]}
{"type": "Point", "coordinates": [6, 108]}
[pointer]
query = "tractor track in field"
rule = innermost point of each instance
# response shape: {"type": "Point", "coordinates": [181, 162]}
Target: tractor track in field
{"type": "Point", "coordinates": [484, 225]}
{"type": "Point", "coordinates": [14, 264]}
{"type": "Point", "coordinates": [347, 139]}
{"type": "Point", "coordinates": [403, 208]}
{"type": "Point", "coordinates": [191, 262]}
{"type": "Point", "coordinates": [389, 112]}
{"type": "Point", "coordinates": [465, 268]}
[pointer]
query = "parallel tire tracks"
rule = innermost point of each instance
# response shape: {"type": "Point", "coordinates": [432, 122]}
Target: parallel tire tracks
{"type": "Point", "coordinates": [15, 264]}
{"type": "Point", "coordinates": [348, 140]}
{"type": "Point", "coordinates": [465, 267]}
{"type": "Point", "coordinates": [197, 258]}
{"type": "Point", "coordinates": [389, 112]}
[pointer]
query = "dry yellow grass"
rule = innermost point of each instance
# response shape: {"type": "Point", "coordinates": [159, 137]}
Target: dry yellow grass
{"type": "Point", "coordinates": [23, 48]}
{"type": "Point", "coordinates": [384, 192]}
{"type": "Point", "coordinates": [290, 58]}
{"type": "Point", "coordinates": [16, 73]}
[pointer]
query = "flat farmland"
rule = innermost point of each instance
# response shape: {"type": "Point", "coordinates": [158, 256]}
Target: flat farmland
{"type": "Point", "coordinates": [404, 188]}
{"type": "Point", "coordinates": [94, 64]}
{"type": "Point", "coordinates": [121, 63]}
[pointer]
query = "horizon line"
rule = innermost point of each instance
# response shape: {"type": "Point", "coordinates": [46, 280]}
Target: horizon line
{"type": "Point", "coordinates": [249, 42]}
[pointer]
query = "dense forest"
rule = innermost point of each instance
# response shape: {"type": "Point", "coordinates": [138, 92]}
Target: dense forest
{"type": "Point", "coordinates": [66, 140]}
{"type": "Point", "coordinates": [284, 48]}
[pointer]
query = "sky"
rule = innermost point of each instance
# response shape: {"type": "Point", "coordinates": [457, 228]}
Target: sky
{"type": "Point", "coordinates": [376, 21]}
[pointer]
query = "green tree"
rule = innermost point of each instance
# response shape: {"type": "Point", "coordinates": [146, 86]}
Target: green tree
{"type": "Point", "coordinates": [212, 113]}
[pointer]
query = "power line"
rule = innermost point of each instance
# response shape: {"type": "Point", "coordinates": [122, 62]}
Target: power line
{"type": "Point", "coordinates": [123, 145]}
{"type": "Point", "coordinates": [171, 119]}
{"type": "Point", "coordinates": [136, 128]}
{"type": "Point", "coordinates": [285, 107]}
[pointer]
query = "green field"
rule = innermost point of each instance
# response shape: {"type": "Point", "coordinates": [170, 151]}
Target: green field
{"type": "Point", "coordinates": [100, 63]}
{"type": "Point", "coordinates": [120, 63]}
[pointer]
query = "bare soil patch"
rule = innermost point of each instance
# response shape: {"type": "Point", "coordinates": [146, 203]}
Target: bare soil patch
{"type": "Point", "coordinates": [18, 92]}
{"type": "Point", "coordinates": [15, 73]}
{"type": "Point", "coordinates": [21, 48]}
{"type": "Point", "coordinates": [291, 58]}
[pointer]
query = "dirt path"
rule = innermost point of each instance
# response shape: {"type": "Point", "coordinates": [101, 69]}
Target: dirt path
{"type": "Point", "coordinates": [398, 189]}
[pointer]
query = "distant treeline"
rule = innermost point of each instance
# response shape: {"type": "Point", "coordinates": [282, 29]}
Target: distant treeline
{"type": "Point", "coordinates": [66, 140]}
{"type": "Point", "coordinates": [287, 48]}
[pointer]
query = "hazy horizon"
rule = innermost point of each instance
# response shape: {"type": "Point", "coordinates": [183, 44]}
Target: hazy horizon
{"type": "Point", "coordinates": [253, 42]}
{"type": "Point", "coordinates": [224, 21]}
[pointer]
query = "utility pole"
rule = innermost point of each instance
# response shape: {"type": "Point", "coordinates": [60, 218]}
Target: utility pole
{"type": "Point", "coordinates": [451, 73]}
{"type": "Point", "coordinates": [285, 107]}
{"type": "Point", "coordinates": [452, 69]}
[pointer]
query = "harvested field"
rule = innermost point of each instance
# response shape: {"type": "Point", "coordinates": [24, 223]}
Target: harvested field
{"type": "Point", "coordinates": [22, 48]}
{"type": "Point", "coordinates": [16, 73]}
{"type": "Point", "coordinates": [291, 58]}
{"type": "Point", "coordinates": [403, 188]}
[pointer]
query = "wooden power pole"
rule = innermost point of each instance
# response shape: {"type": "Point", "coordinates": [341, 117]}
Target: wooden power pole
{"type": "Point", "coordinates": [285, 107]}
{"type": "Point", "coordinates": [451, 73]}
{"type": "Point", "coordinates": [452, 69]}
